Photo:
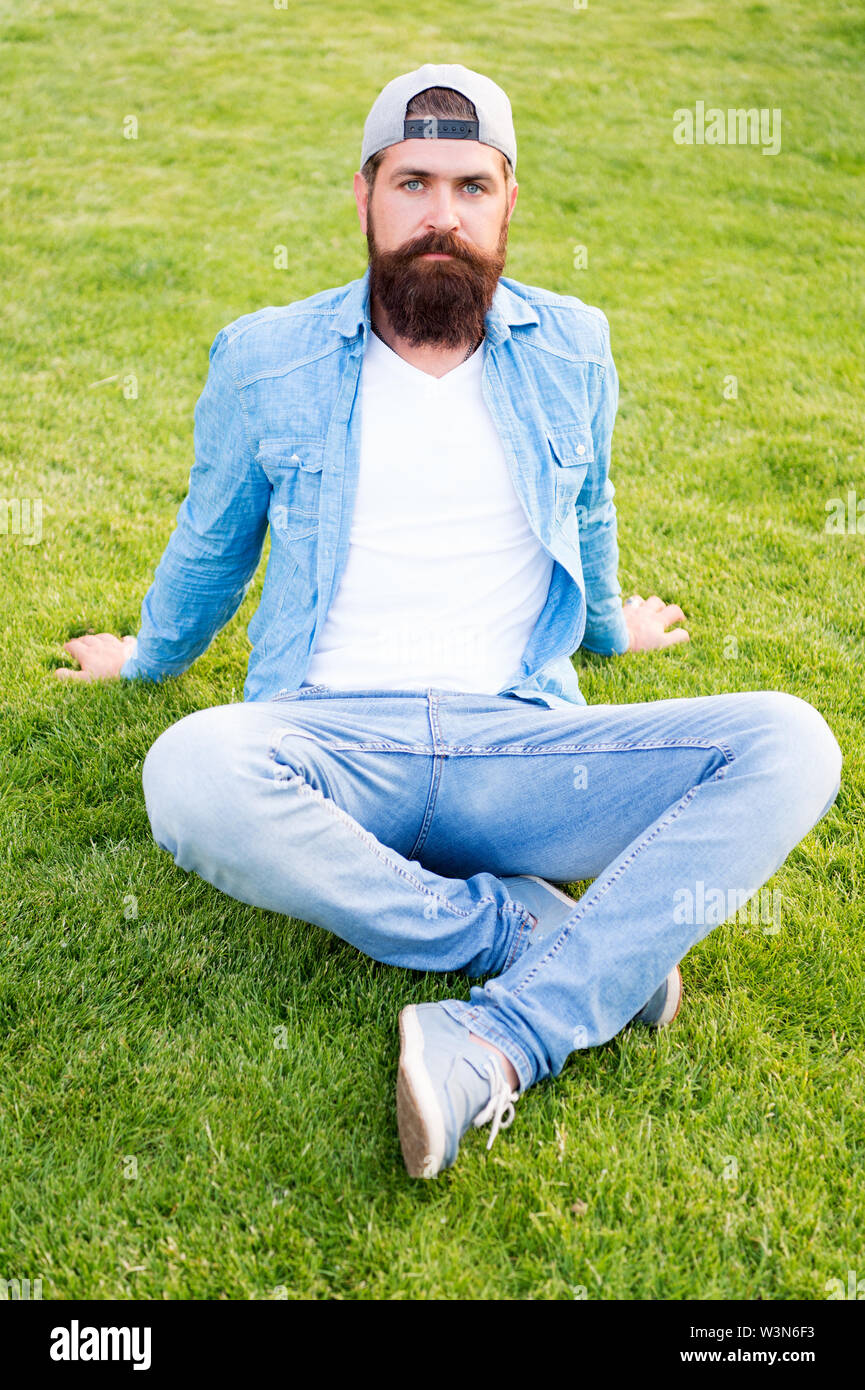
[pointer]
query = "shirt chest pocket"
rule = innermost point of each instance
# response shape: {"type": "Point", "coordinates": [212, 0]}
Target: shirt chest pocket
{"type": "Point", "coordinates": [294, 468]}
{"type": "Point", "coordinates": [572, 450]}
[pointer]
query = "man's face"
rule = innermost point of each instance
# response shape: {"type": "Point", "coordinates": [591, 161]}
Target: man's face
{"type": "Point", "coordinates": [436, 225]}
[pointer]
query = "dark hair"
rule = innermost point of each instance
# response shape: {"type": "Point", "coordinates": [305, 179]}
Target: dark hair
{"type": "Point", "coordinates": [433, 101]}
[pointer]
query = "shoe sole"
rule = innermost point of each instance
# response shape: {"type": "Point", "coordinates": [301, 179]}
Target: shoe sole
{"type": "Point", "coordinates": [419, 1118]}
{"type": "Point", "coordinates": [556, 892]}
{"type": "Point", "coordinates": [666, 1015]}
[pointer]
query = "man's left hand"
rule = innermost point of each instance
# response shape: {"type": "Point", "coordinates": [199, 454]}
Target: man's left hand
{"type": "Point", "coordinates": [646, 620]}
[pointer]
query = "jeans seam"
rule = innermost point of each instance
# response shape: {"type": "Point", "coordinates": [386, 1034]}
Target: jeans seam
{"type": "Point", "coordinates": [297, 694]}
{"type": "Point", "coordinates": [514, 953]}
{"type": "Point", "coordinates": [432, 796]}
{"type": "Point", "coordinates": [332, 746]}
{"type": "Point", "coordinates": [327, 692]}
{"type": "Point", "coordinates": [435, 780]}
{"type": "Point", "coordinates": [518, 749]}
{"type": "Point", "coordinates": [380, 747]}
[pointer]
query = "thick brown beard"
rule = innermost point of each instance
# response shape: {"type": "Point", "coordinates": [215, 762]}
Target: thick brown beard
{"type": "Point", "coordinates": [439, 302]}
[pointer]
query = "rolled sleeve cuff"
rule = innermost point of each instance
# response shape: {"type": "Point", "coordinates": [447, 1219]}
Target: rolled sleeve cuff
{"type": "Point", "coordinates": [608, 636]}
{"type": "Point", "coordinates": [130, 670]}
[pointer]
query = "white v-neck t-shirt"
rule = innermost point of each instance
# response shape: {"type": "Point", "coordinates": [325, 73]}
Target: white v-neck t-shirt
{"type": "Point", "coordinates": [445, 580]}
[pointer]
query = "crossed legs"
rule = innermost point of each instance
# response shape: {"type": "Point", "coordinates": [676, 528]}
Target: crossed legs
{"type": "Point", "coordinates": [393, 819]}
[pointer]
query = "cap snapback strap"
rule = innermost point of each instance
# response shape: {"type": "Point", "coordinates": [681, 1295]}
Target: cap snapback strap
{"type": "Point", "coordinates": [439, 128]}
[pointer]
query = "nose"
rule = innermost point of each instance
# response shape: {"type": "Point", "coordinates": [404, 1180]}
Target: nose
{"type": "Point", "coordinates": [441, 211]}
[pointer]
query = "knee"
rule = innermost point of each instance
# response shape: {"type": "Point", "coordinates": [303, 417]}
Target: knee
{"type": "Point", "coordinates": [802, 750]}
{"type": "Point", "coordinates": [179, 771]}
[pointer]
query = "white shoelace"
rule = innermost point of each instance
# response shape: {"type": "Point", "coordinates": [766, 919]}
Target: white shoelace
{"type": "Point", "coordinates": [502, 1100]}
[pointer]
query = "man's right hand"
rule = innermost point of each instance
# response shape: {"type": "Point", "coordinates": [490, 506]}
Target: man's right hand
{"type": "Point", "coordinates": [99, 655]}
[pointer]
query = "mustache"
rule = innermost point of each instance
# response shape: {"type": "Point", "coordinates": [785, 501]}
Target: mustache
{"type": "Point", "coordinates": [440, 243]}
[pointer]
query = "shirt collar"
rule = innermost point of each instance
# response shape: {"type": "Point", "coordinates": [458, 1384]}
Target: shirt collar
{"type": "Point", "coordinates": [506, 310]}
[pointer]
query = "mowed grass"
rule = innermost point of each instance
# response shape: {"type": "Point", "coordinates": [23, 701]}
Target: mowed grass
{"type": "Point", "coordinates": [196, 1097]}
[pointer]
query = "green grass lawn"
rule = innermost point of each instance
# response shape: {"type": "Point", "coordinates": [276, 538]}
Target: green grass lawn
{"type": "Point", "coordinates": [196, 1097]}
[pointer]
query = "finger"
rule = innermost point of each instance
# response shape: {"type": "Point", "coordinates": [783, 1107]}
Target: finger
{"type": "Point", "coordinates": [655, 603]}
{"type": "Point", "coordinates": [673, 614]}
{"type": "Point", "coordinates": [63, 673]}
{"type": "Point", "coordinates": [670, 639]}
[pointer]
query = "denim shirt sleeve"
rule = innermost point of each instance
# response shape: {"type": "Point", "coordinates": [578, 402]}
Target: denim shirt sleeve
{"type": "Point", "coordinates": [213, 553]}
{"type": "Point", "coordinates": [606, 631]}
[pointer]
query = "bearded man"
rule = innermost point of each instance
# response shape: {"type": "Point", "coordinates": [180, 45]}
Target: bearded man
{"type": "Point", "coordinates": [413, 766]}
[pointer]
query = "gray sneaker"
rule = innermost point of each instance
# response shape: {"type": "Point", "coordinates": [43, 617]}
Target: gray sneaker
{"type": "Point", "coordinates": [445, 1083]}
{"type": "Point", "coordinates": [544, 901]}
{"type": "Point", "coordinates": [664, 1004]}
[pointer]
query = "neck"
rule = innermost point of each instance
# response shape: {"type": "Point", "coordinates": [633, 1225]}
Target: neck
{"type": "Point", "coordinates": [427, 357]}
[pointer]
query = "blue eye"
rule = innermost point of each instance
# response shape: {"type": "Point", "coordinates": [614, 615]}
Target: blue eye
{"type": "Point", "coordinates": [408, 181]}
{"type": "Point", "coordinates": [474, 185]}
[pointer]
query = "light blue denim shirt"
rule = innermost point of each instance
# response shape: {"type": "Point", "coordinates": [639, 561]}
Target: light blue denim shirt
{"type": "Point", "coordinates": [277, 442]}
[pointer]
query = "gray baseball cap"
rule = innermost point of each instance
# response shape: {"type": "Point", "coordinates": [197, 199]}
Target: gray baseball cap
{"type": "Point", "coordinates": [386, 123]}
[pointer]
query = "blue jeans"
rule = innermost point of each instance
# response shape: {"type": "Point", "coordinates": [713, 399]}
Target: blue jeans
{"type": "Point", "coordinates": [390, 819]}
